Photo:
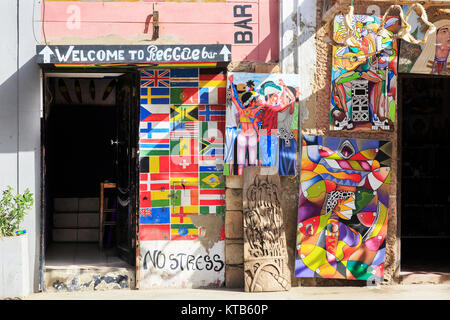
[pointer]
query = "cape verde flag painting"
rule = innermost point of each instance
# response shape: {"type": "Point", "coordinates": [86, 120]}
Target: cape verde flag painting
{"type": "Point", "coordinates": [183, 78]}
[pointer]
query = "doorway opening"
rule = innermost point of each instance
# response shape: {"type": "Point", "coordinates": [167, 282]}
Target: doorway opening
{"type": "Point", "coordinates": [425, 197]}
{"type": "Point", "coordinates": [90, 134]}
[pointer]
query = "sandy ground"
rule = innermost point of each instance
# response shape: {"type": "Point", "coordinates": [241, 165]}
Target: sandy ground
{"type": "Point", "coordinates": [381, 292]}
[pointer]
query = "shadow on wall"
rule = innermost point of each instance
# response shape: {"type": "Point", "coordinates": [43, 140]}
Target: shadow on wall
{"type": "Point", "coordinates": [20, 106]}
{"type": "Point", "coordinates": [20, 141]}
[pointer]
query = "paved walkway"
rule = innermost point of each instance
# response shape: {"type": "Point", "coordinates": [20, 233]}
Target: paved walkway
{"type": "Point", "coordinates": [381, 292]}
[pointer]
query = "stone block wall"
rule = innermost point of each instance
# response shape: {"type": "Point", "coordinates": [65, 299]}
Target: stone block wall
{"type": "Point", "coordinates": [234, 233]}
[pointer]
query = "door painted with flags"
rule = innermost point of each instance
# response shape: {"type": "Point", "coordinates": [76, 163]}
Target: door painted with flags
{"type": "Point", "coordinates": [182, 193]}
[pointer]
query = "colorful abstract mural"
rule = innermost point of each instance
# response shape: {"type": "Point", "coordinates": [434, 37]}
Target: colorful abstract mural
{"type": "Point", "coordinates": [364, 77]}
{"type": "Point", "coordinates": [343, 208]}
{"type": "Point", "coordinates": [182, 123]}
{"type": "Point", "coordinates": [261, 122]}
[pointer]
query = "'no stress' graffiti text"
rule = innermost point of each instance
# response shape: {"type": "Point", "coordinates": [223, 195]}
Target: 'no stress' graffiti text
{"type": "Point", "coordinates": [182, 261]}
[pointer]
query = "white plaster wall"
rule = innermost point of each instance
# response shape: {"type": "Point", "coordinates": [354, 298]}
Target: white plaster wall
{"type": "Point", "coordinates": [306, 55]}
{"type": "Point", "coordinates": [14, 275]}
{"type": "Point", "coordinates": [181, 264]}
{"type": "Point", "coordinates": [20, 105]}
{"type": "Point", "coordinates": [288, 35]}
{"type": "Point", "coordinates": [8, 94]}
{"type": "Point", "coordinates": [297, 38]}
{"type": "Point", "coordinates": [30, 104]}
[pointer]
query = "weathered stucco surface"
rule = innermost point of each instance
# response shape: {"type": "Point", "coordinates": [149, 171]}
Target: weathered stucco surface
{"type": "Point", "coordinates": [88, 279]}
{"type": "Point", "coordinates": [211, 226]}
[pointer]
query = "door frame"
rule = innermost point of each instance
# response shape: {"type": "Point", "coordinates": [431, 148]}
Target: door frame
{"type": "Point", "coordinates": [44, 216]}
{"type": "Point", "coordinates": [400, 183]}
{"type": "Point", "coordinates": [133, 166]}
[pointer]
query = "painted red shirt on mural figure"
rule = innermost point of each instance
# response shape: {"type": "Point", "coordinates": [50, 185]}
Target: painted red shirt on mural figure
{"type": "Point", "coordinates": [269, 118]}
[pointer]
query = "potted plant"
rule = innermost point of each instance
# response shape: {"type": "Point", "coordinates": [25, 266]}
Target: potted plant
{"type": "Point", "coordinates": [14, 271]}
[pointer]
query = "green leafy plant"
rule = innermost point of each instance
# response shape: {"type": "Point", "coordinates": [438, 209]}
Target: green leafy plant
{"type": "Point", "coordinates": [13, 208]}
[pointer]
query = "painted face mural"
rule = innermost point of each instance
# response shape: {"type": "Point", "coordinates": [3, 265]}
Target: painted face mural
{"type": "Point", "coordinates": [432, 57]}
{"type": "Point", "coordinates": [343, 208]}
{"type": "Point", "coordinates": [261, 122]}
{"type": "Point", "coordinates": [442, 50]}
{"type": "Point", "coordinates": [364, 78]}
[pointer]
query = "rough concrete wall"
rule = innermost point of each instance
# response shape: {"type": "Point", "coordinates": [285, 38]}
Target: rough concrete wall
{"type": "Point", "coordinates": [234, 233]}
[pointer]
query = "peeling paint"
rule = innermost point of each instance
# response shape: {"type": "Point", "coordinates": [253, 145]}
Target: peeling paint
{"type": "Point", "coordinates": [97, 283]}
{"type": "Point", "coordinates": [73, 279]}
{"type": "Point", "coordinates": [211, 226]}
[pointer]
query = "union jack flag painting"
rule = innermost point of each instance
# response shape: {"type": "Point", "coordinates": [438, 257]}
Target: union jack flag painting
{"type": "Point", "coordinates": [155, 78]}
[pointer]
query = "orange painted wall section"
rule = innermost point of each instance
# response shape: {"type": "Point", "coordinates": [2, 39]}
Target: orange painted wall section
{"type": "Point", "coordinates": [250, 26]}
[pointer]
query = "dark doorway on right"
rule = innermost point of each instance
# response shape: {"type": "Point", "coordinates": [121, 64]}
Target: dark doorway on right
{"type": "Point", "coordinates": [425, 173]}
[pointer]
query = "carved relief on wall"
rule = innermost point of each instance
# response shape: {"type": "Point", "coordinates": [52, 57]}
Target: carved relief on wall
{"type": "Point", "coordinates": [265, 254]}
